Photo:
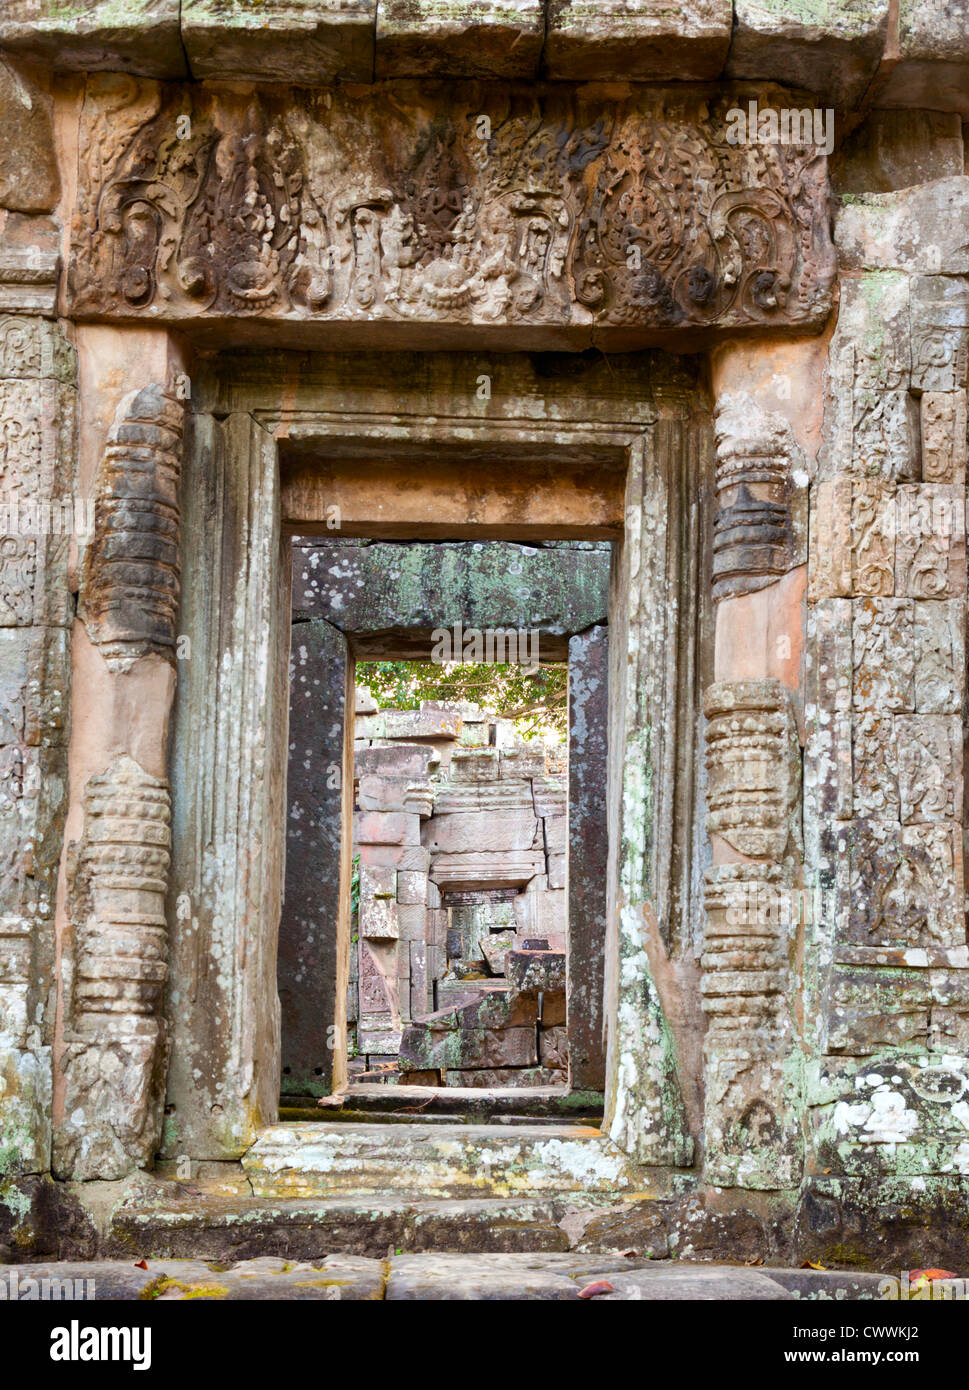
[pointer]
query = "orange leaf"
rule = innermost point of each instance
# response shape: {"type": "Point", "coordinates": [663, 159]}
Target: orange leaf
{"type": "Point", "coordinates": [930, 1274]}
{"type": "Point", "coordinates": [812, 1264]}
{"type": "Point", "coordinates": [141, 1264]}
{"type": "Point", "coordinates": [593, 1290]}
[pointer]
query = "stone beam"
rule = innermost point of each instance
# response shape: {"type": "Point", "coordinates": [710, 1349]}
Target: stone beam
{"type": "Point", "coordinates": [437, 498]}
{"type": "Point", "coordinates": [411, 589]}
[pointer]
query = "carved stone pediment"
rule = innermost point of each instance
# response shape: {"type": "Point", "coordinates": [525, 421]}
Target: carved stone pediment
{"type": "Point", "coordinates": [444, 203]}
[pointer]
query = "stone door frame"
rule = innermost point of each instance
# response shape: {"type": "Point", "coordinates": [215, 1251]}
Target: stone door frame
{"type": "Point", "coordinates": [230, 720]}
{"type": "Point", "coordinates": [345, 640]}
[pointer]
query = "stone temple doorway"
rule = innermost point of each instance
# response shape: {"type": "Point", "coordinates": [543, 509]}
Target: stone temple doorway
{"type": "Point", "coordinates": [469, 963]}
{"type": "Point", "coordinates": [404, 450]}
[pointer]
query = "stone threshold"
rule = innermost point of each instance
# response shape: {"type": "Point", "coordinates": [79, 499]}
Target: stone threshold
{"type": "Point", "coordinates": [451, 1277]}
{"type": "Point", "coordinates": [502, 1105]}
{"type": "Point", "coordinates": [444, 1160]}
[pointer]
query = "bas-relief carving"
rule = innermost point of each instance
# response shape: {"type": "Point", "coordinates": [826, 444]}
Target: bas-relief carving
{"type": "Point", "coordinates": [116, 1046]}
{"type": "Point", "coordinates": [460, 204]}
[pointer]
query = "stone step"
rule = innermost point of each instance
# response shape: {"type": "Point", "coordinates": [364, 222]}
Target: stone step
{"type": "Point", "coordinates": [442, 1160]}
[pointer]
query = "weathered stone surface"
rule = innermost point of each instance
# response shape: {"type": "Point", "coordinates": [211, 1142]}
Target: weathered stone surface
{"type": "Point", "coordinates": [754, 767]}
{"type": "Point", "coordinates": [437, 1160]}
{"type": "Point", "coordinates": [459, 38]}
{"type": "Point", "coordinates": [756, 457]}
{"type": "Point", "coordinates": [96, 35]}
{"type": "Point", "coordinates": [641, 39]}
{"type": "Point", "coordinates": [281, 41]}
{"type": "Point", "coordinates": [28, 167]}
{"type": "Point", "coordinates": [310, 969]}
{"type": "Point", "coordinates": [588, 855]}
{"type": "Point", "coordinates": [896, 149]}
{"type": "Point", "coordinates": [455, 238]}
{"type": "Point", "coordinates": [831, 49]}
{"type": "Point", "coordinates": [932, 64]}
{"type": "Point", "coordinates": [918, 229]}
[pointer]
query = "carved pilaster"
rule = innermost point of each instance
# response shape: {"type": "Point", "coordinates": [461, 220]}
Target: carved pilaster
{"type": "Point", "coordinates": [752, 904]}
{"type": "Point", "coordinates": [114, 1062]}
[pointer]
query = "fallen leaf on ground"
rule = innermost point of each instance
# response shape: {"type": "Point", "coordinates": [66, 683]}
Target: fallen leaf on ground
{"type": "Point", "coordinates": [141, 1264]}
{"type": "Point", "coordinates": [812, 1264]}
{"type": "Point", "coordinates": [930, 1274]}
{"type": "Point", "coordinates": [593, 1290]}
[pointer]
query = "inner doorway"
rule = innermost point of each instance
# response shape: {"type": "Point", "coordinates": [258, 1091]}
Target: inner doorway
{"type": "Point", "coordinates": [447, 944]}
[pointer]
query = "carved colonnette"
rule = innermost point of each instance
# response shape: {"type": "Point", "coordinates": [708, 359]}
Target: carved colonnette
{"type": "Point", "coordinates": [887, 961]}
{"type": "Point", "coordinates": [755, 540]}
{"type": "Point", "coordinates": [115, 1051]}
{"type": "Point", "coordinates": [753, 1084]}
{"type": "Point", "coordinates": [454, 203]}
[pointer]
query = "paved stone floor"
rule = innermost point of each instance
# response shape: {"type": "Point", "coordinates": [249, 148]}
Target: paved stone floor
{"type": "Point", "coordinates": [437, 1276]}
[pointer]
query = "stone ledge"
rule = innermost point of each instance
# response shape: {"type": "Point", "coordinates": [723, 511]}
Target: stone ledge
{"type": "Point", "coordinates": [311, 41]}
{"type": "Point", "coordinates": [103, 36]}
{"type": "Point", "coordinates": [459, 38]}
{"type": "Point", "coordinates": [833, 50]}
{"type": "Point", "coordinates": [642, 40]}
{"type": "Point", "coordinates": [429, 1277]}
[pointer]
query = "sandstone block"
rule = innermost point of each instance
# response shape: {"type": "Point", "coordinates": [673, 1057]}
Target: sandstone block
{"type": "Point", "coordinates": [933, 63]}
{"type": "Point", "coordinates": [378, 919]}
{"type": "Point", "coordinates": [553, 1048]}
{"type": "Point", "coordinates": [406, 760]}
{"type": "Point", "coordinates": [96, 35]}
{"type": "Point", "coordinates": [306, 41]}
{"type": "Point", "coordinates": [476, 869]}
{"type": "Point", "coordinates": [459, 38]}
{"type": "Point", "coordinates": [536, 970]}
{"type": "Point", "coordinates": [475, 765]}
{"type": "Point", "coordinates": [481, 831]}
{"type": "Point", "coordinates": [833, 50]}
{"type": "Point", "coordinates": [411, 917]}
{"type": "Point", "coordinates": [380, 828]}
{"type": "Point", "coordinates": [412, 887]}
{"type": "Point", "coordinates": [28, 168]}
{"type": "Point", "coordinates": [376, 793]}
{"type": "Point", "coordinates": [639, 40]}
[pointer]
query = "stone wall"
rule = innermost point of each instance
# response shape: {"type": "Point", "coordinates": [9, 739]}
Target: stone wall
{"type": "Point", "coordinates": [514, 239]}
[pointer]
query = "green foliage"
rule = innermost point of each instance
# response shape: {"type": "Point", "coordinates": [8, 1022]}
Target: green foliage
{"type": "Point", "coordinates": [536, 703]}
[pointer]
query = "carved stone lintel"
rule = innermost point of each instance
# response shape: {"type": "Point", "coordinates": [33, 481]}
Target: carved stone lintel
{"type": "Point", "coordinates": [544, 206]}
{"type": "Point", "coordinates": [131, 569]}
